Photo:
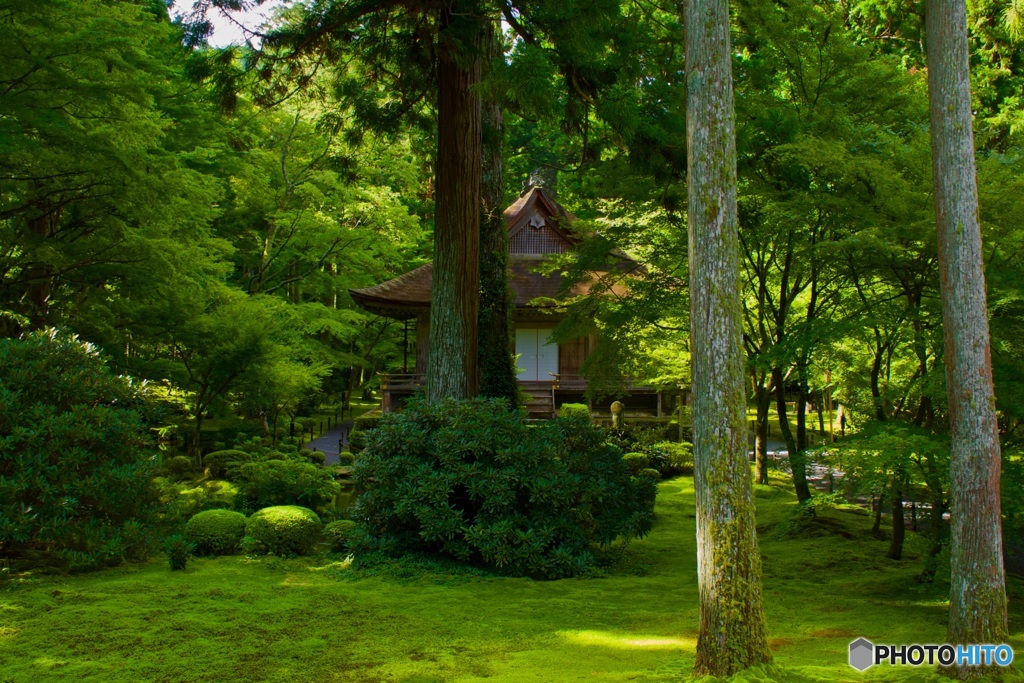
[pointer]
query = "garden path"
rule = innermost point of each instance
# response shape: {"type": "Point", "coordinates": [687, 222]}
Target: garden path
{"type": "Point", "coordinates": [329, 443]}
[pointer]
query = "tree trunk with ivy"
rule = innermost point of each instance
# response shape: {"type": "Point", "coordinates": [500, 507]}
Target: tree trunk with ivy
{"type": "Point", "coordinates": [732, 632]}
{"type": "Point", "coordinates": [454, 301]}
{"type": "Point", "coordinates": [497, 367]}
{"type": "Point", "coordinates": [977, 601]}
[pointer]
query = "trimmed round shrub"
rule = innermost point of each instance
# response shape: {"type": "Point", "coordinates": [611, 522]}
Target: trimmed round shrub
{"type": "Point", "coordinates": [222, 464]}
{"type": "Point", "coordinates": [283, 530]}
{"type": "Point", "coordinates": [574, 410]}
{"type": "Point", "coordinates": [671, 458]}
{"type": "Point", "coordinates": [474, 481]}
{"type": "Point", "coordinates": [179, 466]}
{"type": "Point", "coordinates": [216, 532]}
{"type": "Point", "coordinates": [636, 462]}
{"type": "Point", "coordinates": [314, 457]}
{"type": "Point", "coordinates": [285, 482]}
{"type": "Point", "coordinates": [346, 458]}
{"type": "Point", "coordinates": [339, 533]}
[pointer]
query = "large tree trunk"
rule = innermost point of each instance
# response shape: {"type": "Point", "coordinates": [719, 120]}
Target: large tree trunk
{"type": "Point", "coordinates": [796, 456]}
{"type": "Point", "coordinates": [497, 367]}
{"type": "Point", "coordinates": [977, 603]}
{"type": "Point", "coordinates": [732, 631]}
{"type": "Point", "coordinates": [454, 301]}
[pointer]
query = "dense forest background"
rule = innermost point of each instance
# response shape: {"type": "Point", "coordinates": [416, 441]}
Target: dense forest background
{"type": "Point", "coordinates": [199, 214]}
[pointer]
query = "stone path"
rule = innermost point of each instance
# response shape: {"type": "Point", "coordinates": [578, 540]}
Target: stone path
{"type": "Point", "coordinates": [328, 443]}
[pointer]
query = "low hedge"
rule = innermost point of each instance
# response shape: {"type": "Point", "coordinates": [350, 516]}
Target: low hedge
{"type": "Point", "coordinates": [574, 410]}
{"type": "Point", "coordinates": [283, 530]}
{"type": "Point", "coordinates": [216, 532]}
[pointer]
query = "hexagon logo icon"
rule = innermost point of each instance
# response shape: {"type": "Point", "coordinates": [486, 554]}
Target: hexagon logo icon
{"type": "Point", "coordinates": [862, 654]}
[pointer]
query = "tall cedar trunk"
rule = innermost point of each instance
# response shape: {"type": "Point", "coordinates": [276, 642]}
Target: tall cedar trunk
{"type": "Point", "coordinates": [495, 354]}
{"type": "Point", "coordinates": [732, 632]}
{"type": "Point", "coordinates": [796, 457]}
{"type": "Point", "coordinates": [454, 300]}
{"type": "Point", "coordinates": [977, 601]}
{"type": "Point", "coordinates": [899, 524]}
{"type": "Point", "coordinates": [763, 398]}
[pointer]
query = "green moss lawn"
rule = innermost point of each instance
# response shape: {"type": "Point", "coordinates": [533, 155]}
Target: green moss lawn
{"type": "Point", "coordinates": [315, 619]}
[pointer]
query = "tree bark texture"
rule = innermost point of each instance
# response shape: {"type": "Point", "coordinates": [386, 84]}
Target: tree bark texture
{"type": "Point", "coordinates": [977, 605]}
{"type": "Point", "coordinates": [454, 301]}
{"type": "Point", "coordinates": [732, 630]}
{"type": "Point", "coordinates": [796, 457]}
{"type": "Point", "coordinates": [763, 397]}
{"type": "Point", "coordinates": [497, 367]}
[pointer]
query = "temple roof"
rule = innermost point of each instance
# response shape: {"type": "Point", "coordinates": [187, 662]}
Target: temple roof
{"type": "Point", "coordinates": [408, 295]}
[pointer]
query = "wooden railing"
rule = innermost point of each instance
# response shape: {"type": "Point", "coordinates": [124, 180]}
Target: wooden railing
{"type": "Point", "coordinates": [402, 381]}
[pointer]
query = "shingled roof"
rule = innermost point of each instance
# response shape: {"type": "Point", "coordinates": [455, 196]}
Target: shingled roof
{"type": "Point", "coordinates": [408, 295]}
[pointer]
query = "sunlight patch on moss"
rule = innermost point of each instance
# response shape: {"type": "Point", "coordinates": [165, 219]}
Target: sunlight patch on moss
{"type": "Point", "coordinates": [625, 642]}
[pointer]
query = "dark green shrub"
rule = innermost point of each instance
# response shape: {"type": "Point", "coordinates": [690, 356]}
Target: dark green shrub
{"type": "Point", "coordinates": [283, 530]}
{"type": "Point", "coordinates": [574, 410]}
{"type": "Point", "coordinates": [473, 481]}
{"type": "Point", "coordinates": [284, 482]}
{"type": "Point", "coordinates": [178, 551]}
{"type": "Point", "coordinates": [636, 462]}
{"type": "Point", "coordinates": [339, 533]}
{"type": "Point", "coordinates": [671, 458]}
{"type": "Point", "coordinates": [76, 472]}
{"type": "Point", "coordinates": [314, 457]}
{"type": "Point", "coordinates": [179, 467]}
{"type": "Point", "coordinates": [216, 532]}
{"type": "Point", "coordinates": [360, 427]}
{"type": "Point", "coordinates": [225, 464]}
{"type": "Point", "coordinates": [346, 458]}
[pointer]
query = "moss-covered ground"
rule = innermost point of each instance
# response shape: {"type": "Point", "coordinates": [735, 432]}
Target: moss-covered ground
{"type": "Point", "coordinates": [317, 619]}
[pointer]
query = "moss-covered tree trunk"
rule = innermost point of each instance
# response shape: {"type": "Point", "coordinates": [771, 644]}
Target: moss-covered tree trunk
{"type": "Point", "coordinates": [977, 601]}
{"type": "Point", "coordinates": [732, 632]}
{"type": "Point", "coordinates": [497, 367]}
{"type": "Point", "coordinates": [454, 301]}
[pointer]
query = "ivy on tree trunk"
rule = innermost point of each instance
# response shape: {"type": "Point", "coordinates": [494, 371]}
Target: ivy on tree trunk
{"type": "Point", "coordinates": [732, 632]}
{"type": "Point", "coordinates": [977, 601]}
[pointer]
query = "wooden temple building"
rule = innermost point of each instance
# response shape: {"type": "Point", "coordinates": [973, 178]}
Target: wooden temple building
{"type": "Point", "coordinates": [548, 371]}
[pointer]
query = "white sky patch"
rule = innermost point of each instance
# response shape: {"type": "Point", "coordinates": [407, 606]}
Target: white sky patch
{"type": "Point", "coordinates": [228, 27]}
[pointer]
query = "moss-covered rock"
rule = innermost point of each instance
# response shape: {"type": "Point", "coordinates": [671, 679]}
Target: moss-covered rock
{"type": "Point", "coordinates": [216, 532]}
{"type": "Point", "coordinates": [283, 530]}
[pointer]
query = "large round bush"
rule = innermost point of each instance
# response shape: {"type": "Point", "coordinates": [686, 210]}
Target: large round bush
{"type": "Point", "coordinates": [285, 482]}
{"type": "Point", "coordinates": [474, 481]}
{"type": "Point", "coordinates": [225, 464]}
{"type": "Point", "coordinates": [74, 450]}
{"type": "Point", "coordinates": [283, 530]}
{"type": "Point", "coordinates": [216, 532]}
